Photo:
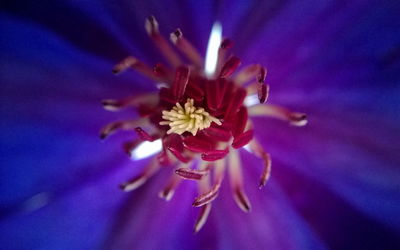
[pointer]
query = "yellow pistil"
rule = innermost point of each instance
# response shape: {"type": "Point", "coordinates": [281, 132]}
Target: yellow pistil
{"type": "Point", "coordinates": [188, 118]}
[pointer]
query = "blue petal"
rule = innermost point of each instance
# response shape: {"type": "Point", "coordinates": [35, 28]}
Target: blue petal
{"type": "Point", "coordinates": [52, 114]}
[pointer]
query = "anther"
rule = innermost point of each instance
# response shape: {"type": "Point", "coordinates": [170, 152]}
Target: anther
{"type": "Point", "coordinates": [187, 118]}
{"type": "Point", "coordinates": [186, 47]}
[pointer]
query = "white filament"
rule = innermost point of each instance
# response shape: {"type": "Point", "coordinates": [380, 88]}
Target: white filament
{"type": "Point", "coordinates": [146, 149]}
{"type": "Point", "coordinates": [212, 49]}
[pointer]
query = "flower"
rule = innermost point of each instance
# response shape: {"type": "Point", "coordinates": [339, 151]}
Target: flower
{"type": "Point", "coordinates": [201, 111]}
{"type": "Point", "coordinates": [334, 182]}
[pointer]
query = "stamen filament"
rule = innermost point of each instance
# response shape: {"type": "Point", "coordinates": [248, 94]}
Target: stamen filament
{"type": "Point", "coordinates": [142, 68]}
{"type": "Point", "coordinates": [151, 26]}
{"type": "Point", "coordinates": [186, 47]}
{"type": "Point", "coordinates": [139, 180]}
{"type": "Point", "coordinates": [121, 125]}
{"type": "Point", "coordinates": [296, 119]}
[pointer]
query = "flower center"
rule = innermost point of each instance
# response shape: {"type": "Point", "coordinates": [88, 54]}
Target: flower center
{"type": "Point", "coordinates": [187, 119]}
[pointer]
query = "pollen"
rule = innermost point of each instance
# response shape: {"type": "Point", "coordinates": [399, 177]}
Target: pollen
{"type": "Point", "coordinates": [187, 118]}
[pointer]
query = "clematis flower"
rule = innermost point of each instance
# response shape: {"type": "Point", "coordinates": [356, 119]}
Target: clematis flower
{"type": "Point", "coordinates": [334, 184]}
{"type": "Point", "coordinates": [201, 118]}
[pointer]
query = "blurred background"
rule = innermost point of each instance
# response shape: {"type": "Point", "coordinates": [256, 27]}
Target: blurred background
{"type": "Point", "coordinates": [335, 183]}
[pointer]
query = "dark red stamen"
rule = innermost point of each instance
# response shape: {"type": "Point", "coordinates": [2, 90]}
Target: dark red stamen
{"type": "Point", "coordinates": [166, 95]}
{"type": "Point", "coordinates": [214, 155]}
{"type": "Point", "coordinates": [143, 135]}
{"type": "Point", "coordinates": [163, 158]}
{"type": "Point", "coordinates": [218, 133]}
{"type": "Point", "coordinates": [235, 102]}
{"type": "Point", "coordinates": [213, 97]}
{"type": "Point", "coordinates": [194, 91]}
{"type": "Point", "coordinates": [206, 198]}
{"type": "Point", "coordinates": [262, 75]}
{"type": "Point", "coordinates": [262, 90]}
{"type": "Point", "coordinates": [230, 66]}
{"type": "Point", "coordinates": [191, 174]}
{"type": "Point", "coordinates": [240, 121]}
{"type": "Point", "coordinates": [180, 82]}
{"type": "Point", "coordinates": [196, 144]}
{"type": "Point", "coordinates": [174, 144]}
{"type": "Point", "coordinates": [243, 139]}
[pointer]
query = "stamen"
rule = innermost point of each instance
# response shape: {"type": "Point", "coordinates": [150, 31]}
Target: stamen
{"type": "Point", "coordinates": [242, 139]}
{"type": "Point", "coordinates": [168, 192]}
{"type": "Point", "coordinates": [197, 145]}
{"type": "Point", "coordinates": [163, 158]}
{"type": "Point", "coordinates": [208, 195]}
{"type": "Point", "coordinates": [187, 118]}
{"type": "Point", "coordinates": [134, 101]}
{"type": "Point", "coordinates": [261, 74]}
{"type": "Point", "coordinates": [229, 67]}
{"type": "Point", "coordinates": [257, 149]}
{"type": "Point", "coordinates": [123, 125]}
{"type": "Point", "coordinates": [263, 91]}
{"type": "Point", "coordinates": [204, 185]}
{"type": "Point", "coordinates": [191, 174]}
{"type": "Point", "coordinates": [143, 135]}
{"type": "Point", "coordinates": [247, 74]}
{"type": "Point", "coordinates": [174, 144]}
{"type": "Point", "coordinates": [195, 92]}
{"type": "Point", "coordinates": [214, 155]}
{"type": "Point", "coordinates": [235, 102]}
{"type": "Point", "coordinates": [241, 121]}
{"type": "Point", "coordinates": [241, 199]}
{"type": "Point", "coordinates": [151, 26]}
{"type": "Point", "coordinates": [139, 180]}
{"type": "Point", "coordinates": [220, 133]}
{"type": "Point", "coordinates": [180, 82]}
{"type": "Point", "coordinates": [235, 174]}
{"type": "Point", "coordinates": [166, 95]}
{"type": "Point", "coordinates": [225, 45]}
{"type": "Point", "coordinates": [131, 62]}
{"type": "Point", "coordinates": [213, 99]}
{"type": "Point", "coordinates": [296, 119]}
{"type": "Point", "coordinates": [186, 47]}
{"type": "Point", "coordinates": [203, 215]}
{"type": "Point", "coordinates": [266, 173]}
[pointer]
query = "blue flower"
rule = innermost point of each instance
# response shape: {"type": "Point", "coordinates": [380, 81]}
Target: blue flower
{"type": "Point", "coordinates": [335, 182]}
